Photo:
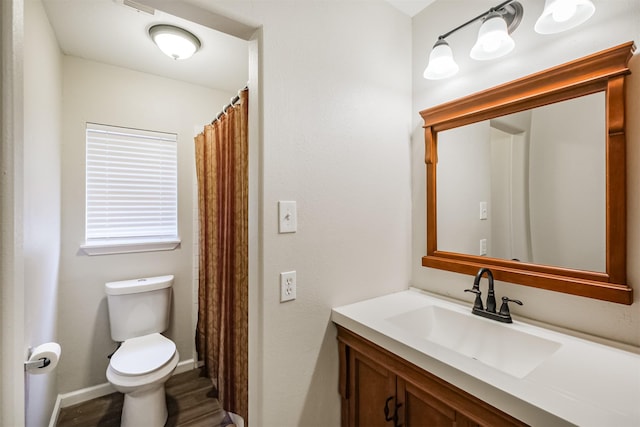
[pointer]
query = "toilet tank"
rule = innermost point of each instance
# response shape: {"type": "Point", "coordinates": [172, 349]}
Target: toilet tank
{"type": "Point", "coordinates": [138, 307]}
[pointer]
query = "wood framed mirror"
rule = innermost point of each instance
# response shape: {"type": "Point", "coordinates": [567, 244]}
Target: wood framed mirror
{"type": "Point", "coordinates": [601, 74]}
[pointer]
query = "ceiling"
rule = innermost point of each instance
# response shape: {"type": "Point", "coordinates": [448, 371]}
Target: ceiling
{"type": "Point", "coordinates": [108, 31]}
{"type": "Point", "coordinates": [112, 32]}
{"type": "Point", "coordinates": [410, 7]}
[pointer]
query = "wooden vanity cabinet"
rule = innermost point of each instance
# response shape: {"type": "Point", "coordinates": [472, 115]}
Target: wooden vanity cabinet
{"type": "Point", "coordinates": [380, 389]}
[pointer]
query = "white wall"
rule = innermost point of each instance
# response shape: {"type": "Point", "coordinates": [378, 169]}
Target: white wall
{"type": "Point", "coordinates": [510, 233]}
{"type": "Point", "coordinates": [99, 93]}
{"type": "Point", "coordinates": [464, 160]}
{"type": "Point", "coordinates": [42, 142]}
{"type": "Point", "coordinates": [614, 22]}
{"type": "Point", "coordinates": [567, 181]}
{"type": "Point", "coordinates": [335, 95]}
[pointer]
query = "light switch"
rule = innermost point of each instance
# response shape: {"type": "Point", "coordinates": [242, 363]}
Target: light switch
{"type": "Point", "coordinates": [483, 210]}
{"type": "Point", "coordinates": [287, 217]}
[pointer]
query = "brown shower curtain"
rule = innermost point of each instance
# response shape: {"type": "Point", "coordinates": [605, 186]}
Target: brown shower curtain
{"type": "Point", "coordinates": [222, 330]}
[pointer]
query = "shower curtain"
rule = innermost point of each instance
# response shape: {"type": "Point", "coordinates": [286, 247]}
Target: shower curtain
{"type": "Point", "coordinates": [222, 328]}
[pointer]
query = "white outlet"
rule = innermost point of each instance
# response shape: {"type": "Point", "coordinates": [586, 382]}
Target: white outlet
{"type": "Point", "coordinates": [483, 247]}
{"type": "Point", "coordinates": [287, 217]}
{"type": "Point", "coordinates": [287, 286]}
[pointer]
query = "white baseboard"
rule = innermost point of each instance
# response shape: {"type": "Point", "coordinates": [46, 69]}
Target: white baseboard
{"type": "Point", "coordinates": [72, 398]}
{"type": "Point", "coordinates": [56, 412]}
{"type": "Point", "coordinates": [185, 366]}
{"type": "Point", "coordinates": [68, 399]}
{"type": "Point", "coordinates": [82, 395]}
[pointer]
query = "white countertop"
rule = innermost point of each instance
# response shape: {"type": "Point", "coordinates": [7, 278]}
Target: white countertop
{"type": "Point", "coordinates": [583, 382]}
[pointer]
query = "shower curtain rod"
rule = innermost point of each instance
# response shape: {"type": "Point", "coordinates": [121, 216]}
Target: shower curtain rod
{"type": "Point", "coordinates": [229, 105]}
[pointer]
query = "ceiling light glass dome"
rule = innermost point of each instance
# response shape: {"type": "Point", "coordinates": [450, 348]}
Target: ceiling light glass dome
{"type": "Point", "coordinates": [494, 40]}
{"type": "Point", "coordinates": [175, 42]}
{"type": "Point", "coordinates": [441, 63]}
{"type": "Point", "coordinates": [562, 15]}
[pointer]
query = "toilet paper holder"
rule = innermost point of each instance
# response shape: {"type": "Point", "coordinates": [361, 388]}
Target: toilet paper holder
{"type": "Point", "coordinates": [42, 358]}
{"type": "Point", "coordinates": [37, 364]}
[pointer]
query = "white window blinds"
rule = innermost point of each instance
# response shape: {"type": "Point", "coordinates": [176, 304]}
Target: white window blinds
{"type": "Point", "coordinates": [131, 186]}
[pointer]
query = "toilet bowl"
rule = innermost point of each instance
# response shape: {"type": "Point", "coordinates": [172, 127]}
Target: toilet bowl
{"type": "Point", "coordinates": [145, 359]}
{"type": "Point", "coordinates": [139, 369]}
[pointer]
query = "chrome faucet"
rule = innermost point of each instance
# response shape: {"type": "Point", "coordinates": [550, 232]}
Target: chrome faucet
{"type": "Point", "coordinates": [490, 311]}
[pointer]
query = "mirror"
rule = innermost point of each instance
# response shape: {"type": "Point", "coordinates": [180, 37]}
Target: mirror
{"type": "Point", "coordinates": [528, 179]}
{"type": "Point", "coordinates": [529, 185]}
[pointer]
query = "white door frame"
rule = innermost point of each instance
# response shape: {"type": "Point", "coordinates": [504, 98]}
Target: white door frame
{"type": "Point", "coordinates": [12, 343]}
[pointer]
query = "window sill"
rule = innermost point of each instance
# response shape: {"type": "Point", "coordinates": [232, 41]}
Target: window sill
{"type": "Point", "coordinates": [126, 247]}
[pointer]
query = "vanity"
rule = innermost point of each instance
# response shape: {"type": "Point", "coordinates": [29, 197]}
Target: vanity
{"type": "Point", "coordinates": [427, 361]}
{"type": "Point", "coordinates": [417, 359]}
{"type": "Point", "coordinates": [412, 396]}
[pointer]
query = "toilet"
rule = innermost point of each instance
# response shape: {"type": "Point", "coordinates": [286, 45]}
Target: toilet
{"type": "Point", "coordinates": [138, 312]}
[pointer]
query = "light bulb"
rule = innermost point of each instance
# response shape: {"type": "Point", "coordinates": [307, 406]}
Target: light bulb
{"type": "Point", "coordinates": [562, 15]}
{"type": "Point", "coordinates": [441, 64]}
{"type": "Point", "coordinates": [493, 39]}
{"type": "Point", "coordinates": [491, 42]}
{"type": "Point", "coordinates": [174, 46]}
{"type": "Point", "coordinates": [564, 11]}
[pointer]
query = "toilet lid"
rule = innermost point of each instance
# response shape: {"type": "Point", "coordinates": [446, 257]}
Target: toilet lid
{"type": "Point", "coordinates": [141, 355]}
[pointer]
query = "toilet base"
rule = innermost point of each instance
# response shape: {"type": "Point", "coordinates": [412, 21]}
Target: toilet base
{"type": "Point", "coordinates": [145, 403]}
{"type": "Point", "coordinates": [148, 408]}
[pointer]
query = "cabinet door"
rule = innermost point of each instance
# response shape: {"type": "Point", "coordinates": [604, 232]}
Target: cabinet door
{"type": "Point", "coordinates": [423, 410]}
{"type": "Point", "coordinates": [372, 378]}
{"type": "Point", "coordinates": [371, 387]}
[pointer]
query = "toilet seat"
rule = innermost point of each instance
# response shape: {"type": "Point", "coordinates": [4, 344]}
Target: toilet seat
{"type": "Point", "coordinates": [142, 355]}
{"type": "Point", "coordinates": [137, 383]}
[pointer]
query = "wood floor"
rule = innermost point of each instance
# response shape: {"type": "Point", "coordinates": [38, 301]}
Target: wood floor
{"type": "Point", "coordinates": [191, 402]}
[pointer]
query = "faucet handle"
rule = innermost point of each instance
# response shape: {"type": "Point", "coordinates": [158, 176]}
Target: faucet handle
{"type": "Point", "coordinates": [504, 308]}
{"type": "Point", "coordinates": [477, 304]}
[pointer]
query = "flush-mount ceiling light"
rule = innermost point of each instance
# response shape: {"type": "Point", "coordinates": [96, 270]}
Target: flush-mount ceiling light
{"type": "Point", "coordinates": [441, 63]}
{"type": "Point", "coordinates": [175, 42]}
{"type": "Point", "coordinates": [562, 15]}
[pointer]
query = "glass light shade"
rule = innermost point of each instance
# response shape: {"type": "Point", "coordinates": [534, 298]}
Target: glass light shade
{"type": "Point", "coordinates": [494, 40]}
{"type": "Point", "coordinates": [441, 64]}
{"type": "Point", "coordinates": [562, 15]}
{"type": "Point", "coordinates": [175, 42]}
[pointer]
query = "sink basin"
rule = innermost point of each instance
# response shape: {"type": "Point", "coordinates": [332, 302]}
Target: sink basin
{"type": "Point", "coordinates": [500, 346]}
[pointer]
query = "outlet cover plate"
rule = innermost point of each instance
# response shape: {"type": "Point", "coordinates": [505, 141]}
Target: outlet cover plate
{"type": "Point", "coordinates": [288, 286]}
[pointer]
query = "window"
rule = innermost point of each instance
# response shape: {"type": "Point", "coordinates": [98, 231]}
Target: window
{"type": "Point", "coordinates": [131, 190]}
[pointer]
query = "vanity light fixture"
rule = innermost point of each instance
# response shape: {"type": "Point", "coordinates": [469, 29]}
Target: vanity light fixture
{"type": "Point", "coordinates": [175, 42]}
{"type": "Point", "coordinates": [498, 23]}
